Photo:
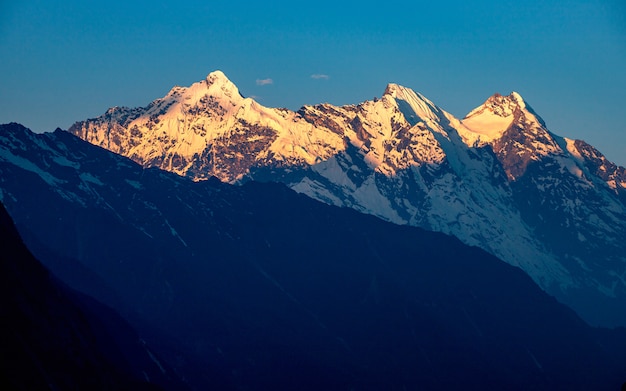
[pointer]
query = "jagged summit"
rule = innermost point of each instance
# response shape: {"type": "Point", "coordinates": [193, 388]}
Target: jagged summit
{"type": "Point", "coordinates": [515, 132]}
{"type": "Point", "coordinates": [500, 105]}
{"type": "Point", "coordinates": [489, 121]}
{"type": "Point", "coordinates": [504, 106]}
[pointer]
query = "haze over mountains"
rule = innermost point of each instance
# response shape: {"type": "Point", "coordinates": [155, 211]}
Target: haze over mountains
{"type": "Point", "coordinates": [497, 179]}
{"type": "Point", "coordinates": [257, 287]}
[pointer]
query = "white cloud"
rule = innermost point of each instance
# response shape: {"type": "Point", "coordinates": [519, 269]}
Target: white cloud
{"type": "Point", "coordinates": [264, 82]}
{"type": "Point", "coordinates": [318, 76]}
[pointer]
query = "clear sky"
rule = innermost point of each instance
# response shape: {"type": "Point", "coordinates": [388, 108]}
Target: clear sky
{"type": "Point", "coordinates": [64, 61]}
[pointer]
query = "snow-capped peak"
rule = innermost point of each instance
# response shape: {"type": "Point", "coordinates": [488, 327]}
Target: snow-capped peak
{"type": "Point", "coordinates": [514, 96]}
{"type": "Point", "coordinates": [413, 105]}
{"type": "Point", "coordinates": [215, 75]}
{"type": "Point", "coordinates": [217, 84]}
{"type": "Point", "coordinates": [218, 78]}
{"type": "Point", "coordinates": [517, 135]}
{"type": "Point", "coordinates": [490, 120]}
{"type": "Point", "coordinates": [499, 105]}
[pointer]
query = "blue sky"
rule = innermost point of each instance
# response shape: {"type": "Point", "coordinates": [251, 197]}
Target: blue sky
{"type": "Point", "coordinates": [64, 61]}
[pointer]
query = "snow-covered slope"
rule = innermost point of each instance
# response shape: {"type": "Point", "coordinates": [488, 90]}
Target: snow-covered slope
{"type": "Point", "coordinates": [409, 165]}
{"type": "Point", "coordinates": [491, 179]}
{"type": "Point", "coordinates": [518, 136]}
{"type": "Point", "coordinates": [568, 193]}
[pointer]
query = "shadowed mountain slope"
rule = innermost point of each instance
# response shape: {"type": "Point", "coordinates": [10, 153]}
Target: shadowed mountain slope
{"type": "Point", "coordinates": [55, 338]}
{"type": "Point", "coordinates": [257, 287]}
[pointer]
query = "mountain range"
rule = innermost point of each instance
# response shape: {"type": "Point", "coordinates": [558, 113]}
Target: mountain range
{"type": "Point", "coordinates": [259, 287]}
{"type": "Point", "coordinates": [497, 179]}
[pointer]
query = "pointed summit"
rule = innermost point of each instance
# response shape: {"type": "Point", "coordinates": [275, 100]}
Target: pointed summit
{"type": "Point", "coordinates": [413, 105]}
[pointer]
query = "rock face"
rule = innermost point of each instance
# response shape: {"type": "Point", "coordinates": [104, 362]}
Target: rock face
{"type": "Point", "coordinates": [498, 179]}
{"type": "Point", "coordinates": [258, 287]}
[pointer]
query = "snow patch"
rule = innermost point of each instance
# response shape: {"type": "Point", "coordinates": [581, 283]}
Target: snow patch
{"type": "Point", "coordinates": [87, 177]}
{"type": "Point", "coordinates": [487, 125]}
{"type": "Point", "coordinates": [154, 360]}
{"type": "Point", "coordinates": [63, 161]}
{"type": "Point", "coordinates": [571, 148]}
{"type": "Point", "coordinates": [175, 233]}
{"type": "Point", "coordinates": [30, 166]}
{"type": "Point", "coordinates": [134, 184]}
{"type": "Point", "coordinates": [316, 191]}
